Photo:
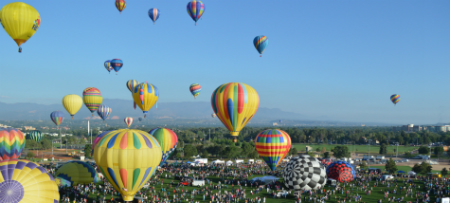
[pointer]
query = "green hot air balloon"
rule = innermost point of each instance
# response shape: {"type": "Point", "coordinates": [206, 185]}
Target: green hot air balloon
{"type": "Point", "coordinates": [35, 135]}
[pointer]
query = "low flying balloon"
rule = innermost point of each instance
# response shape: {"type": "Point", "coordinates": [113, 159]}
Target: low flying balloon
{"type": "Point", "coordinates": [140, 119]}
{"type": "Point", "coordinates": [235, 104]}
{"type": "Point", "coordinates": [195, 9]}
{"type": "Point", "coordinates": [168, 141]}
{"type": "Point", "coordinates": [20, 21]}
{"type": "Point", "coordinates": [128, 121]}
{"type": "Point", "coordinates": [103, 111]}
{"type": "Point", "coordinates": [120, 5]}
{"type": "Point", "coordinates": [395, 98]}
{"type": "Point", "coordinates": [127, 158]}
{"type": "Point", "coordinates": [77, 172]}
{"type": "Point", "coordinates": [145, 95]}
{"type": "Point", "coordinates": [195, 89]}
{"type": "Point", "coordinates": [57, 117]}
{"type": "Point", "coordinates": [153, 13]}
{"type": "Point", "coordinates": [72, 103]}
{"type": "Point", "coordinates": [35, 135]}
{"type": "Point", "coordinates": [107, 65]}
{"type": "Point", "coordinates": [12, 142]}
{"type": "Point", "coordinates": [116, 64]}
{"type": "Point", "coordinates": [304, 173]}
{"type": "Point", "coordinates": [92, 99]}
{"type": "Point", "coordinates": [26, 181]}
{"type": "Point", "coordinates": [272, 146]}
{"type": "Point", "coordinates": [260, 43]}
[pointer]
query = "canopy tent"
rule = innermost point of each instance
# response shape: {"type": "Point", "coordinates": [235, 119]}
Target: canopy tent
{"type": "Point", "coordinates": [218, 162]}
{"type": "Point", "coordinates": [400, 171]}
{"type": "Point", "coordinates": [266, 179]}
{"type": "Point", "coordinates": [412, 173]}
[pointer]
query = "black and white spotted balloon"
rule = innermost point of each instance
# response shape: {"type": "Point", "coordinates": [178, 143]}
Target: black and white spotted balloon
{"type": "Point", "coordinates": [304, 173]}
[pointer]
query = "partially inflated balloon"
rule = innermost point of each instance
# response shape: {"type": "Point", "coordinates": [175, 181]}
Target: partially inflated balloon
{"type": "Point", "coordinates": [195, 89]}
{"type": "Point", "coordinates": [77, 172]}
{"type": "Point", "coordinates": [260, 43]}
{"type": "Point", "coordinates": [395, 98]}
{"type": "Point", "coordinates": [120, 5]}
{"type": "Point", "coordinates": [20, 21]}
{"type": "Point", "coordinates": [92, 99]}
{"type": "Point", "coordinates": [72, 103]}
{"type": "Point", "coordinates": [273, 145]}
{"type": "Point", "coordinates": [127, 158]}
{"type": "Point", "coordinates": [26, 181]}
{"type": "Point", "coordinates": [153, 13]}
{"type": "Point", "coordinates": [128, 121]}
{"type": "Point", "coordinates": [235, 104]}
{"type": "Point", "coordinates": [12, 142]}
{"type": "Point", "coordinates": [145, 95]}
{"type": "Point", "coordinates": [35, 135]}
{"type": "Point", "coordinates": [104, 111]}
{"type": "Point", "coordinates": [168, 141]}
{"type": "Point", "coordinates": [195, 9]}
{"type": "Point", "coordinates": [107, 65]}
{"type": "Point", "coordinates": [57, 117]}
{"type": "Point", "coordinates": [116, 64]}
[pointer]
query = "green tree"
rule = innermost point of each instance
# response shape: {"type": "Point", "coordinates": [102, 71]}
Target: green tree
{"type": "Point", "coordinates": [383, 149]}
{"type": "Point", "coordinates": [424, 150]}
{"type": "Point", "coordinates": [293, 151]}
{"type": "Point", "coordinates": [247, 149]}
{"type": "Point", "coordinates": [323, 150]}
{"type": "Point", "coordinates": [88, 150]}
{"type": "Point", "coordinates": [46, 144]}
{"type": "Point", "coordinates": [363, 165]}
{"type": "Point", "coordinates": [318, 149]}
{"type": "Point", "coordinates": [438, 151]}
{"type": "Point", "coordinates": [190, 151]}
{"type": "Point", "coordinates": [180, 144]}
{"type": "Point", "coordinates": [390, 166]}
{"type": "Point", "coordinates": [426, 168]}
{"type": "Point", "coordinates": [30, 155]}
{"type": "Point", "coordinates": [417, 168]}
{"type": "Point", "coordinates": [30, 144]}
{"type": "Point", "coordinates": [340, 151]}
{"type": "Point", "coordinates": [444, 172]}
{"type": "Point", "coordinates": [326, 155]}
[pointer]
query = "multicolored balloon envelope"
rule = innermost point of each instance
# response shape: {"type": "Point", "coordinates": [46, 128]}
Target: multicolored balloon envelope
{"type": "Point", "coordinates": [97, 139]}
{"type": "Point", "coordinates": [168, 141]}
{"type": "Point", "coordinates": [153, 13]}
{"type": "Point", "coordinates": [57, 117]}
{"type": "Point", "coordinates": [72, 103]}
{"type": "Point", "coordinates": [195, 9]}
{"type": "Point", "coordinates": [341, 171]}
{"type": "Point", "coordinates": [131, 84]}
{"type": "Point", "coordinates": [26, 181]}
{"type": "Point", "coordinates": [145, 95]}
{"type": "Point", "coordinates": [235, 104]}
{"type": "Point", "coordinates": [107, 65]}
{"type": "Point", "coordinates": [92, 99]}
{"type": "Point", "coordinates": [128, 121]}
{"type": "Point", "coordinates": [120, 5]}
{"type": "Point", "coordinates": [103, 111]}
{"type": "Point", "coordinates": [260, 43]}
{"type": "Point", "coordinates": [12, 142]}
{"type": "Point", "coordinates": [35, 135]}
{"type": "Point", "coordinates": [77, 172]}
{"type": "Point", "coordinates": [20, 21]}
{"type": "Point", "coordinates": [272, 146]}
{"type": "Point", "coordinates": [195, 89]}
{"type": "Point", "coordinates": [127, 158]}
{"type": "Point", "coordinates": [116, 64]}
{"type": "Point", "coordinates": [395, 98]}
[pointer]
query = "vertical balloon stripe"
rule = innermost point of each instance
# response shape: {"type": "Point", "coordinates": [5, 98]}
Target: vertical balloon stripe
{"type": "Point", "coordinates": [124, 141]}
{"type": "Point", "coordinates": [113, 176]}
{"type": "Point", "coordinates": [136, 173]}
{"type": "Point", "coordinates": [225, 103]}
{"type": "Point", "coordinates": [145, 176]}
{"type": "Point", "coordinates": [235, 95]}
{"type": "Point", "coordinates": [136, 142]}
{"type": "Point", "coordinates": [123, 176]}
{"type": "Point", "coordinates": [112, 141]}
{"type": "Point", "coordinates": [241, 98]}
{"type": "Point", "coordinates": [147, 142]}
{"type": "Point", "coordinates": [230, 110]}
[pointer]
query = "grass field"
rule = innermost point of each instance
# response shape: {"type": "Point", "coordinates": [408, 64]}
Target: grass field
{"type": "Point", "coordinates": [356, 148]}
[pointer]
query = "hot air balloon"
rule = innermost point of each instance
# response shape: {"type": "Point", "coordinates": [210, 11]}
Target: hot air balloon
{"type": "Point", "coordinates": [195, 9]}
{"type": "Point", "coordinates": [131, 84]}
{"type": "Point", "coordinates": [235, 104]}
{"type": "Point", "coordinates": [72, 103]}
{"type": "Point", "coordinates": [92, 99]}
{"type": "Point", "coordinates": [20, 21]}
{"type": "Point", "coordinates": [153, 13]}
{"type": "Point", "coordinates": [261, 43]}
{"type": "Point", "coordinates": [272, 146]}
{"type": "Point", "coordinates": [341, 171]}
{"type": "Point", "coordinates": [140, 119]}
{"type": "Point", "coordinates": [107, 65]}
{"type": "Point", "coordinates": [213, 115]}
{"type": "Point", "coordinates": [395, 98]}
{"type": "Point", "coordinates": [195, 89]}
{"type": "Point", "coordinates": [145, 96]}
{"type": "Point", "coordinates": [35, 135]}
{"type": "Point", "coordinates": [12, 142]}
{"type": "Point", "coordinates": [304, 173]}
{"type": "Point", "coordinates": [103, 111]}
{"type": "Point", "coordinates": [168, 141]}
{"type": "Point", "coordinates": [77, 172]}
{"type": "Point", "coordinates": [128, 121]}
{"type": "Point", "coordinates": [127, 158]}
{"type": "Point", "coordinates": [26, 181]}
{"type": "Point", "coordinates": [97, 139]}
{"type": "Point", "coordinates": [116, 64]}
{"type": "Point", "coordinates": [57, 117]}
{"type": "Point", "coordinates": [120, 5]}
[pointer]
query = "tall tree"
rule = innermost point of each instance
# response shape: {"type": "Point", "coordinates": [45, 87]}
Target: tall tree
{"type": "Point", "coordinates": [383, 149]}
{"type": "Point", "coordinates": [390, 166]}
{"type": "Point", "coordinates": [424, 150]}
{"type": "Point", "coordinates": [340, 151]}
{"type": "Point", "coordinates": [444, 172]}
{"type": "Point", "coordinates": [190, 151]}
{"type": "Point", "coordinates": [88, 150]}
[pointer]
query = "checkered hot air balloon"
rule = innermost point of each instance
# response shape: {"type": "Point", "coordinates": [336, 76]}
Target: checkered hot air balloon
{"type": "Point", "coordinates": [304, 173]}
{"type": "Point", "coordinates": [341, 171]}
{"type": "Point", "coordinates": [272, 146]}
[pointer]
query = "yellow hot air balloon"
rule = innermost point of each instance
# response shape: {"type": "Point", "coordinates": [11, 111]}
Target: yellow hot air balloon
{"type": "Point", "coordinates": [128, 159]}
{"type": "Point", "coordinates": [92, 99]}
{"type": "Point", "coordinates": [72, 103]}
{"type": "Point", "coordinates": [235, 104]}
{"type": "Point", "coordinates": [145, 95]}
{"type": "Point", "coordinates": [20, 21]}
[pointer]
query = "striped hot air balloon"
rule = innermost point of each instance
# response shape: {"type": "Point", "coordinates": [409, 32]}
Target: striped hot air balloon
{"type": "Point", "coordinates": [273, 145]}
{"type": "Point", "coordinates": [195, 9]}
{"type": "Point", "coordinates": [12, 142]}
{"type": "Point", "coordinates": [195, 89]}
{"type": "Point", "coordinates": [35, 135]}
{"type": "Point", "coordinates": [153, 13]}
{"type": "Point", "coordinates": [104, 112]}
{"type": "Point", "coordinates": [107, 65]}
{"type": "Point", "coordinates": [77, 172]}
{"type": "Point", "coordinates": [120, 5]}
{"type": "Point", "coordinates": [168, 141]}
{"type": "Point", "coordinates": [145, 95]}
{"type": "Point", "coordinates": [92, 98]}
{"type": "Point", "coordinates": [57, 117]}
{"type": "Point", "coordinates": [116, 64]}
{"type": "Point", "coordinates": [260, 43]}
{"type": "Point", "coordinates": [128, 121]}
{"type": "Point", "coordinates": [395, 98]}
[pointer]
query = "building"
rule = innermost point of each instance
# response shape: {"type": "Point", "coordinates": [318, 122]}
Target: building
{"type": "Point", "coordinates": [275, 124]}
{"type": "Point", "coordinates": [29, 128]}
{"type": "Point", "coordinates": [443, 128]}
{"type": "Point", "coordinates": [408, 128]}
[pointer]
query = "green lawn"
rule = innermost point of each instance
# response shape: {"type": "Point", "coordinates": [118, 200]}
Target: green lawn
{"type": "Point", "coordinates": [355, 148]}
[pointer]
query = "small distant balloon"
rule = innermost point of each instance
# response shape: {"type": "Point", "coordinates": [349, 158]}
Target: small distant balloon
{"type": "Point", "coordinates": [107, 65]}
{"type": "Point", "coordinates": [104, 112]}
{"type": "Point", "coordinates": [128, 121]}
{"type": "Point", "coordinates": [120, 5]}
{"type": "Point", "coordinates": [140, 119]}
{"type": "Point", "coordinates": [57, 117]}
{"type": "Point", "coordinates": [195, 89]}
{"type": "Point", "coordinates": [260, 43]}
{"type": "Point", "coordinates": [213, 115]}
{"type": "Point", "coordinates": [116, 64]}
{"type": "Point", "coordinates": [395, 98]}
{"type": "Point", "coordinates": [195, 9]}
{"type": "Point", "coordinates": [153, 13]}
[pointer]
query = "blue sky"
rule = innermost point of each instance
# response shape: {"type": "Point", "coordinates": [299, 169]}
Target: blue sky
{"type": "Point", "coordinates": [329, 60]}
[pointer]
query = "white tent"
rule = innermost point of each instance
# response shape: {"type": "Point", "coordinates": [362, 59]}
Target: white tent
{"type": "Point", "coordinates": [229, 163]}
{"type": "Point", "coordinates": [266, 179]}
{"type": "Point", "coordinates": [412, 173]}
{"type": "Point", "coordinates": [218, 162]}
{"type": "Point", "coordinates": [239, 161]}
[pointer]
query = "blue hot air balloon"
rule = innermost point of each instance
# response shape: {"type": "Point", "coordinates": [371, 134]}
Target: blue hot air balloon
{"type": "Point", "coordinates": [153, 13]}
{"type": "Point", "coordinates": [116, 64]}
{"type": "Point", "coordinates": [260, 43]}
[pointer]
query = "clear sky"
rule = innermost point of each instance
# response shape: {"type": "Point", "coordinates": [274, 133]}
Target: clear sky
{"type": "Point", "coordinates": [326, 59]}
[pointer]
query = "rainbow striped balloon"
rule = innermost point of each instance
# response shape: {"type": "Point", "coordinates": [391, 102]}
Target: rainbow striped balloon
{"type": "Point", "coordinates": [260, 43]}
{"type": "Point", "coordinates": [235, 104]}
{"type": "Point", "coordinates": [12, 142]}
{"type": "Point", "coordinates": [395, 98]}
{"type": "Point", "coordinates": [195, 9]}
{"type": "Point", "coordinates": [195, 89]}
{"type": "Point", "coordinates": [273, 145]}
{"type": "Point", "coordinates": [127, 158]}
{"type": "Point", "coordinates": [57, 117]}
{"type": "Point", "coordinates": [168, 141]}
{"type": "Point", "coordinates": [92, 98]}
